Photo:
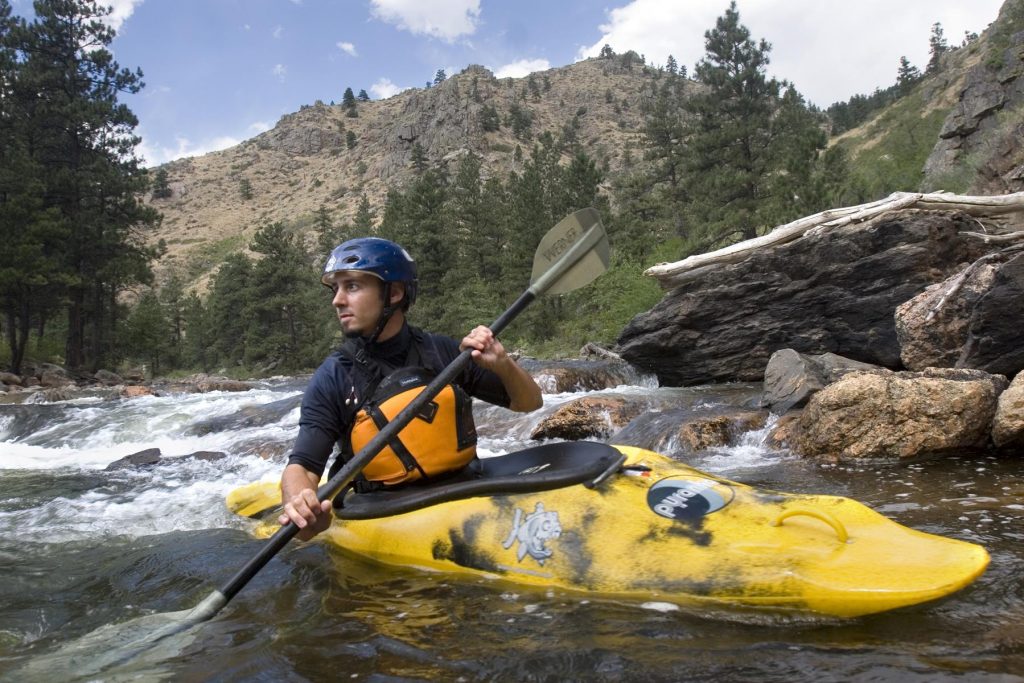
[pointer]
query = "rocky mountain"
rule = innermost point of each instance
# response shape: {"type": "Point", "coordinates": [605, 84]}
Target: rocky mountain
{"type": "Point", "coordinates": [321, 156]}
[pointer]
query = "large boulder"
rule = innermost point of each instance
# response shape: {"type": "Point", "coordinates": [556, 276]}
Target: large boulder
{"type": "Point", "coordinates": [828, 292]}
{"type": "Point", "coordinates": [1008, 424]}
{"type": "Point", "coordinates": [932, 326]}
{"type": "Point", "coordinates": [972, 320]}
{"type": "Point", "coordinates": [791, 378]}
{"type": "Point", "coordinates": [10, 378]}
{"type": "Point", "coordinates": [883, 414]}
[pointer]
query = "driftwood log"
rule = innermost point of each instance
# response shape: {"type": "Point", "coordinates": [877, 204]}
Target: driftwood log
{"type": "Point", "coordinates": [670, 275]}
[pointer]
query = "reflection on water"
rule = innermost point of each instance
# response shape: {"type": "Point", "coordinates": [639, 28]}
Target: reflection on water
{"type": "Point", "coordinates": [80, 548]}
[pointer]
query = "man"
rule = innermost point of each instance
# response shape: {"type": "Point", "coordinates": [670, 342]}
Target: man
{"type": "Point", "coordinates": [374, 283]}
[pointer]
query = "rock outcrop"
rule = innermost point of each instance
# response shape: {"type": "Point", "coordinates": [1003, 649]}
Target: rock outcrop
{"type": "Point", "coordinates": [883, 414]}
{"type": "Point", "coordinates": [977, 135]}
{"type": "Point", "coordinates": [828, 292]}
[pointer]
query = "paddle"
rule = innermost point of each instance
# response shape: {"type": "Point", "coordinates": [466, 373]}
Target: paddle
{"type": "Point", "coordinates": [572, 254]}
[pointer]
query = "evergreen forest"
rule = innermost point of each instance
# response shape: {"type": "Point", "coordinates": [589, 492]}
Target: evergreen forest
{"type": "Point", "coordinates": [728, 153]}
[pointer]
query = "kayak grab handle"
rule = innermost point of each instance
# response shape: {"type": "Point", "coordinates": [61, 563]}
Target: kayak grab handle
{"type": "Point", "coordinates": [826, 517]}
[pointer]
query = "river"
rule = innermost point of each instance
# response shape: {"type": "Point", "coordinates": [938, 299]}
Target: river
{"type": "Point", "coordinates": [81, 547]}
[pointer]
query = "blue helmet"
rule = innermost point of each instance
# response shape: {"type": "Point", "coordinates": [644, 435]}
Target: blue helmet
{"type": "Point", "coordinates": [383, 258]}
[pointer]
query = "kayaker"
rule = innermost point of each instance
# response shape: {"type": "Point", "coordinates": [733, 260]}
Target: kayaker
{"type": "Point", "coordinates": [374, 283]}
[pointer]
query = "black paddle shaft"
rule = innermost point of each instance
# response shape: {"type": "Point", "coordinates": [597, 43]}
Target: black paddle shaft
{"type": "Point", "coordinates": [353, 467]}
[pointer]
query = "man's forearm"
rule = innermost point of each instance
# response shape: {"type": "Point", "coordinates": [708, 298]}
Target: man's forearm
{"type": "Point", "coordinates": [523, 392]}
{"type": "Point", "coordinates": [294, 479]}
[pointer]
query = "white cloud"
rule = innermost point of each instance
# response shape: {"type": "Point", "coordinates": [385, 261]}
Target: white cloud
{"type": "Point", "coordinates": [121, 10]}
{"type": "Point", "coordinates": [384, 89]}
{"type": "Point", "coordinates": [278, 30]}
{"type": "Point", "coordinates": [444, 19]}
{"type": "Point", "coordinates": [257, 127]}
{"type": "Point", "coordinates": [348, 48]}
{"type": "Point", "coordinates": [522, 67]}
{"type": "Point", "coordinates": [829, 50]}
{"type": "Point", "coordinates": [154, 155]}
{"type": "Point", "coordinates": [280, 71]}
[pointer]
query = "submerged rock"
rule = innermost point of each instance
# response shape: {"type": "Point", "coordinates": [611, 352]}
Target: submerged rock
{"type": "Point", "coordinates": [883, 414]}
{"type": "Point", "coordinates": [718, 430]}
{"type": "Point", "coordinates": [153, 456]}
{"type": "Point", "coordinates": [248, 416]}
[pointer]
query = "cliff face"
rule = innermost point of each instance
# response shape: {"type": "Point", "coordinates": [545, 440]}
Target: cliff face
{"type": "Point", "coordinates": [982, 138]}
{"type": "Point", "coordinates": [319, 156]}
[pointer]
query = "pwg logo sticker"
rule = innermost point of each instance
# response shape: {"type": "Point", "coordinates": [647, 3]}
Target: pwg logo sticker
{"type": "Point", "coordinates": [533, 533]}
{"type": "Point", "coordinates": [687, 499]}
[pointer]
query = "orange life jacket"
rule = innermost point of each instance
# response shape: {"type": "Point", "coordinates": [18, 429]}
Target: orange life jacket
{"type": "Point", "coordinates": [441, 439]}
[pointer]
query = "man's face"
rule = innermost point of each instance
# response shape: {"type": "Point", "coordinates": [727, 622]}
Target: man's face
{"type": "Point", "coordinates": [357, 301]}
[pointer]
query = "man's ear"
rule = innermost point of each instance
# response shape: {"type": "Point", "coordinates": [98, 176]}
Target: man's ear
{"type": "Point", "coordinates": [397, 292]}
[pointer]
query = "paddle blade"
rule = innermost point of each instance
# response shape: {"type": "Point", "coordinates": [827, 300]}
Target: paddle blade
{"type": "Point", "coordinates": [572, 254]}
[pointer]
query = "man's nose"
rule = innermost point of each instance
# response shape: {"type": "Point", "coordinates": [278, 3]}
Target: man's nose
{"type": "Point", "coordinates": [339, 297]}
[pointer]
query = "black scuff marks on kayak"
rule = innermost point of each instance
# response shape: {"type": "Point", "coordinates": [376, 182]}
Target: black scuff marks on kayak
{"type": "Point", "coordinates": [462, 549]}
{"type": "Point", "coordinates": [691, 531]}
{"type": "Point", "coordinates": [572, 548]}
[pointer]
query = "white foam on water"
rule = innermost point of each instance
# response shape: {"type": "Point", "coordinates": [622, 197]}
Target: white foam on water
{"type": "Point", "coordinates": [182, 496]}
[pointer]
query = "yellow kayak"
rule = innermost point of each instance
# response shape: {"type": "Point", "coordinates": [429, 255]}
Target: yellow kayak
{"type": "Point", "coordinates": [629, 523]}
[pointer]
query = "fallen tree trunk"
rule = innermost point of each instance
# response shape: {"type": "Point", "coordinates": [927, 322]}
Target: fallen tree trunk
{"type": "Point", "coordinates": [670, 275]}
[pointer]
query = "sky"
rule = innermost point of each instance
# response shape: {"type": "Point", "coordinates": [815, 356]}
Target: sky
{"type": "Point", "coordinates": [218, 72]}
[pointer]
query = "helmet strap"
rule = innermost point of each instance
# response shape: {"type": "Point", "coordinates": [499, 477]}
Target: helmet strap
{"type": "Point", "coordinates": [385, 314]}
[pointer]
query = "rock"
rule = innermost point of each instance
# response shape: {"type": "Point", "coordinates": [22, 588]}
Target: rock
{"type": "Point", "coordinates": [581, 375]}
{"type": "Point", "coordinates": [791, 378]}
{"type": "Point", "coordinates": [996, 323]}
{"type": "Point", "coordinates": [718, 430]}
{"type": "Point", "coordinates": [591, 351]}
{"type": "Point", "coordinates": [828, 292]}
{"type": "Point", "coordinates": [977, 133]}
{"type": "Point", "coordinates": [584, 418]}
{"type": "Point", "coordinates": [134, 391]}
{"type": "Point", "coordinates": [202, 383]}
{"type": "Point", "coordinates": [977, 326]}
{"type": "Point", "coordinates": [883, 414]}
{"type": "Point", "coordinates": [248, 416]}
{"type": "Point", "coordinates": [54, 376]}
{"type": "Point", "coordinates": [30, 381]}
{"type": "Point", "coordinates": [1008, 424]}
{"type": "Point", "coordinates": [937, 342]}
{"type": "Point", "coordinates": [135, 375]}
{"type": "Point", "coordinates": [10, 378]}
{"type": "Point", "coordinates": [150, 456]}
{"type": "Point", "coordinates": [108, 378]}
{"type": "Point", "coordinates": [782, 433]}
{"type": "Point", "coordinates": [55, 394]}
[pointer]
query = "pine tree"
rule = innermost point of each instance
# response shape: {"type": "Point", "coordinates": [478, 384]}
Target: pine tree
{"type": "Point", "coordinates": [440, 77]}
{"type": "Point", "coordinates": [419, 159]}
{"type": "Point", "coordinates": [671, 65]}
{"type": "Point", "coordinates": [363, 96]}
{"type": "Point", "coordinates": [906, 76]}
{"type": "Point", "coordinates": [348, 100]}
{"type": "Point", "coordinates": [83, 143]}
{"type": "Point", "coordinates": [738, 143]}
{"type": "Point", "coordinates": [363, 221]}
{"type": "Point", "coordinates": [161, 186]}
{"type": "Point", "coordinates": [937, 46]}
